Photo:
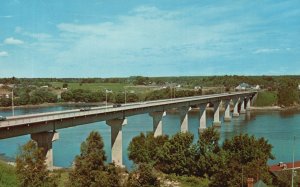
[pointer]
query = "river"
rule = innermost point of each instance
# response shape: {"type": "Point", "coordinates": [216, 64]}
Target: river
{"type": "Point", "coordinates": [278, 127]}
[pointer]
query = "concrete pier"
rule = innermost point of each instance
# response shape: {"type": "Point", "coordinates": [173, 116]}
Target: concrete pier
{"type": "Point", "coordinates": [248, 104]}
{"type": "Point", "coordinates": [235, 109]}
{"type": "Point", "coordinates": [227, 116]}
{"type": "Point", "coordinates": [202, 117]}
{"type": "Point", "coordinates": [217, 121]}
{"type": "Point", "coordinates": [243, 111]}
{"type": "Point", "coordinates": [184, 125]}
{"type": "Point", "coordinates": [116, 140]}
{"type": "Point", "coordinates": [44, 140]}
{"type": "Point", "coordinates": [157, 122]}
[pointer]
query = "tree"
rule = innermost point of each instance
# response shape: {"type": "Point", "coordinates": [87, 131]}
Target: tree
{"type": "Point", "coordinates": [208, 152]}
{"type": "Point", "coordinates": [145, 148]}
{"type": "Point", "coordinates": [178, 155]}
{"type": "Point", "coordinates": [31, 168]}
{"type": "Point", "coordinates": [287, 92]}
{"type": "Point", "coordinates": [245, 156]}
{"type": "Point", "coordinates": [65, 85]}
{"type": "Point", "coordinates": [89, 168]}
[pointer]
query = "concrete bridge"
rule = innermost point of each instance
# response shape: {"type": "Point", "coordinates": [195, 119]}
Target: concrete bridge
{"type": "Point", "coordinates": [42, 127]}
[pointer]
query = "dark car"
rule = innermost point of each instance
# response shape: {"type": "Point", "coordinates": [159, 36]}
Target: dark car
{"type": "Point", "coordinates": [2, 118]}
{"type": "Point", "coordinates": [116, 105]}
{"type": "Point", "coordinates": [85, 109]}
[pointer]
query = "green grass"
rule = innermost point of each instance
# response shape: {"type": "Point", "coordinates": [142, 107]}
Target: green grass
{"type": "Point", "coordinates": [266, 98]}
{"type": "Point", "coordinates": [8, 176]}
{"type": "Point", "coordinates": [92, 86]}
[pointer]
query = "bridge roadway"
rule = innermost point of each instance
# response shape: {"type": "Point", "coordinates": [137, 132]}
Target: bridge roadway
{"type": "Point", "coordinates": [43, 126]}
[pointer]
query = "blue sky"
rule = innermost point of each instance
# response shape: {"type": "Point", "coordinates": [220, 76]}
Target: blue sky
{"type": "Point", "coordinates": [97, 38]}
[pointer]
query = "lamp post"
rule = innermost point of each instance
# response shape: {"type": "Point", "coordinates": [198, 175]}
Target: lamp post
{"type": "Point", "coordinates": [12, 102]}
{"type": "Point", "coordinates": [293, 161]}
{"type": "Point", "coordinates": [105, 98]}
{"type": "Point", "coordinates": [125, 94]}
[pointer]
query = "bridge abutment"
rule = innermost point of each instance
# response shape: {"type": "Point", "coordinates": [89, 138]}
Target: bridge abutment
{"type": "Point", "coordinates": [157, 122]}
{"type": "Point", "coordinates": [44, 140]}
{"type": "Point", "coordinates": [116, 140]}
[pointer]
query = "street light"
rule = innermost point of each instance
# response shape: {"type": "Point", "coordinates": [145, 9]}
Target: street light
{"type": "Point", "coordinates": [293, 161]}
{"type": "Point", "coordinates": [105, 98]}
{"type": "Point", "coordinates": [125, 94]}
{"type": "Point", "coordinates": [12, 102]}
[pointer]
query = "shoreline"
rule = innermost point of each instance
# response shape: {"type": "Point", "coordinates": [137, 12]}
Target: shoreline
{"type": "Point", "coordinates": [53, 105]}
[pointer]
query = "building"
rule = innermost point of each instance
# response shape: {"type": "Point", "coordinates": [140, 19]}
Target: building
{"type": "Point", "coordinates": [243, 86]}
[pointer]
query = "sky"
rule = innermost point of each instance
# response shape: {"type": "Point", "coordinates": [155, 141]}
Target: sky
{"type": "Point", "coordinates": [115, 38]}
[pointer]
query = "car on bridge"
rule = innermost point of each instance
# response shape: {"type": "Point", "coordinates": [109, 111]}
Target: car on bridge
{"type": "Point", "coordinates": [2, 118]}
{"type": "Point", "coordinates": [116, 105]}
{"type": "Point", "coordinates": [85, 109]}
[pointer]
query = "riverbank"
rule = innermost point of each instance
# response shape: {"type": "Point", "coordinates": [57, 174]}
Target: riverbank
{"type": "Point", "coordinates": [274, 108]}
{"type": "Point", "coordinates": [56, 104]}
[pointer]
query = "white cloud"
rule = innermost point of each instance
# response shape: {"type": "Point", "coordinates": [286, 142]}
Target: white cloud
{"type": "Point", "coordinates": [266, 50]}
{"type": "Point", "coordinates": [148, 34]}
{"type": "Point", "coordinates": [8, 16]}
{"type": "Point", "coordinates": [3, 54]}
{"type": "Point", "coordinates": [39, 36]}
{"type": "Point", "coordinates": [12, 41]}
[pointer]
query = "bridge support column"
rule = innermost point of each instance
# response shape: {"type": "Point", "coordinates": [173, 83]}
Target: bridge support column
{"type": "Point", "coordinates": [116, 140]}
{"type": "Point", "coordinates": [236, 110]}
{"type": "Point", "coordinates": [227, 116]}
{"type": "Point", "coordinates": [254, 97]}
{"type": "Point", "coordinates": [44, 140]}
{"type": "Point", "coordinates": [202, 118]}
{"type": "Point", "coordinates": [243, 111]}
{"type": "Point", "coordinates": [157, 122]}
{"type": "Point", "coordinates": [184, 127]}
{"type": "Point", "coordinates": [217, 121]}
{"type": "Point", "coordinates": [248, 104]}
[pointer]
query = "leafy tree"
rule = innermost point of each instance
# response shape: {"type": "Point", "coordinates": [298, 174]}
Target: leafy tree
{"type": "Point", "coordinates": [132, 97]}
{"type": "Point", "coordinates": [245, 156]}
{"type": "Point", "coordinates": [145, 148]}
{"type": "Point", "coordinates": [208, 152]}
{"type": "Point", "coordinates": [31, 168]}
{"type": "Point", "coordinates": [67, 96]}
{"type": "Point", "coordinates": [144, 176]}
{"type": "Point", "coordinates": [89, 168]}
{"type": "Point", "coordinates": [65, 85]}
{"type": "Point", "coordinates": [178, 155]}
{"type": "Point", "coordinates": [287, 92]}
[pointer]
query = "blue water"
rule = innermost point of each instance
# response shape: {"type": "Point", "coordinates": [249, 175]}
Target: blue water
{"type": "Point", "coordinates": [277, 127]}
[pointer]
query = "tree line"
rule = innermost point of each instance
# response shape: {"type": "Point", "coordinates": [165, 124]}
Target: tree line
{"type": "Point", "coordinates": [226, 164]}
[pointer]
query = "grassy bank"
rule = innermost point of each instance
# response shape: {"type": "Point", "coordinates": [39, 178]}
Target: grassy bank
{"type": "Point", "coordinates": [266, 98]}
{"type": "Point", "coordinates": [8, 177]}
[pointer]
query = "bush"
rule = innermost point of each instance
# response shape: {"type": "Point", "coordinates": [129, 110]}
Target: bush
{"type": "Point", "coordinates": [144, 176]}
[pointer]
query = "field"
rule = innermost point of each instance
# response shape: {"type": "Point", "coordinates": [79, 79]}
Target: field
{"type": "Point", "coordinates": [266, 98]}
